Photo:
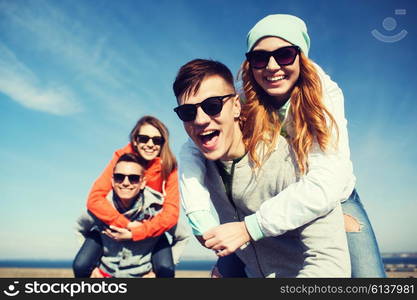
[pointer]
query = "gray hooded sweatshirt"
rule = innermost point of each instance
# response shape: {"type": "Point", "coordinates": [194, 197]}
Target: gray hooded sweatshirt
{"type": "Point", "coordinates": [317, 249]}
{"type": "Point", "coordinates": [127, 258]}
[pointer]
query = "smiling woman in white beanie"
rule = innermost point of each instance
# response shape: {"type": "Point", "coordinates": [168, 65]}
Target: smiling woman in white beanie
{"type": "Point", "coordinates": [299, 100]}
{"type": "Point", "coordinates": [288, 94]}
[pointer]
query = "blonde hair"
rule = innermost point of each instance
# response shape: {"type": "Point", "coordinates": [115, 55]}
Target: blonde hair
{"type": "Point", "coordinates": [261, 122]}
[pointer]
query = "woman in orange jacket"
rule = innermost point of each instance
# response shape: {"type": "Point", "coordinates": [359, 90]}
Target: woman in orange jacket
{"type": "Point", "coordinates": [149, 139]}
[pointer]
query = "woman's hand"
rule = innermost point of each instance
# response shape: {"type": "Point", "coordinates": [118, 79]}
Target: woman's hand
{"type": "Point", "coordinates": [226, 238]}
{"type": "Point", "coordinates": [133, 224]}
{"type": "Point", "coordinates": [118, 234]}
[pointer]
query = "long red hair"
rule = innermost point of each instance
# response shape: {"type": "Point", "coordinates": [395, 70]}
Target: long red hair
{"type": "Point", "coordinates": [261, 122]}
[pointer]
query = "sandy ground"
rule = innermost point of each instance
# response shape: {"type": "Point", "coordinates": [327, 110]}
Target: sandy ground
{"type": "Point", "coordinates": [67, 273]}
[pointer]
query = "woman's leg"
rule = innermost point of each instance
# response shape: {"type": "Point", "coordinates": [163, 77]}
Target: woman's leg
{"type": "Point", "coordinates": [88, 256]}
{"type": "Point", "coordinates": [231, 266]}
{"type": "Point", "coordinates": [162, 261]}
{"type": "Point", "coordinates": [365, 257]}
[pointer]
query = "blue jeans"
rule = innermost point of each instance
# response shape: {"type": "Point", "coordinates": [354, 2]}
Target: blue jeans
{"type": "Point", "coordinates": [365, 257]}
{"type": "Point", "coordinates": [231, 266]}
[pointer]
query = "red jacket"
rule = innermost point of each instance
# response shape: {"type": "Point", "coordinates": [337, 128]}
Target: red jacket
{"type": "Point", "coordinates": [167, 218]}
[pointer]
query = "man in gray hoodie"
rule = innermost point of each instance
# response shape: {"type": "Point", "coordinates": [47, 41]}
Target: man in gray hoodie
{"type": "Point", "coordinates": [210, 111]}
{"type": "Point", "coordinates": [123, 257]}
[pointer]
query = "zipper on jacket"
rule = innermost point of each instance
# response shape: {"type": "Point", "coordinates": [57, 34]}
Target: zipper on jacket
{"type": "Point", "coordinates": [237, 213]}
{"type": "Point", "coordinates": [228, 181]}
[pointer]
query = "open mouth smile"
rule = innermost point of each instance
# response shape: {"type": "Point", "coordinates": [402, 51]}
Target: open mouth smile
{"type": "Point", "coordinates": [209, 138]}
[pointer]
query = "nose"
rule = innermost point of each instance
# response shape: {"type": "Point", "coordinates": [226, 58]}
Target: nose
{"type": "Point", "coordinates": [126, 181]}
{"type": "Point", "coordinates": [150, 143]}
{"type": "Point", "coordinates": [272, 64]}
{"type": "Point", "coordinates": [201, 118]}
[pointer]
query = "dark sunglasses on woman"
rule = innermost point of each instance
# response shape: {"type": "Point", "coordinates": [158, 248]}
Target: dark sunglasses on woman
{"type": "Point", "coordinates": [259, 59]}
{"type": "Point", "coordinates": [156, 140]}
{"type": "Point", "coordinates": [119, 178]}
{"type": "Point", "coordinates": [211, 106]}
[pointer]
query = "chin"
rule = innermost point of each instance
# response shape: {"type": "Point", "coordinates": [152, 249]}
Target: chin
{"type": "Point", "coordinates": [213, 155]}
{"type": "Point", "coordinates": [124, 196]}
{"type": "Point", "coordinates": [281, 92]}
{"type": "Point", "coordinates": [148, 157]}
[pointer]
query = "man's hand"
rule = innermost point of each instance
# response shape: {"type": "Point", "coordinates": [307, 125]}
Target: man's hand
{"type": "Point", "coordinates": [118, 234]}
{"type": "Point", "coordinates": [226, 238]}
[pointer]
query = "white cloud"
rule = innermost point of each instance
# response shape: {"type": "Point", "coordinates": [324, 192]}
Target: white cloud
{"type": "Point", "coordinates": [99, 71]}
{"type": "Point", "coordinates": [19, 83]}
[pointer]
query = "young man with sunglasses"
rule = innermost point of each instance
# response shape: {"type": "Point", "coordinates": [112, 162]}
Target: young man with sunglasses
{"type": "Point", "coordinates": [220, 137]}
{"type": "Point", "coordinates": [210, 111]}
{"type": "Point", "coordinates": [123, 257]}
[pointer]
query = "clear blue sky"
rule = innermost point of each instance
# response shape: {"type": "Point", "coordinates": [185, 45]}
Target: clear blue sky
{"type": "Point", "coordinates": [75, 76]}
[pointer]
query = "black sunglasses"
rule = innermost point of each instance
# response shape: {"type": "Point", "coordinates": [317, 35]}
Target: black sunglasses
{"type": "Point", "coordinates": [119, 178]}
{"type": "Point", "coordinates": [259, 59]}
{"type": "Point", "coordinates": [211, 106]}
{"type": "Point", "coordinates": [156, 140]}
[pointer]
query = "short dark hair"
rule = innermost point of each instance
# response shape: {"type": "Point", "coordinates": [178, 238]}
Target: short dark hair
{"type": "Point", "coordinates": [191, 75]}
{"type": "Point", "coordinates": [132, 157]}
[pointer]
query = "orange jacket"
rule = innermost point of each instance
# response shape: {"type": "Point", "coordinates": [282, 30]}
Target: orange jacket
{"type": "Point", "coordinates": [167, 218]}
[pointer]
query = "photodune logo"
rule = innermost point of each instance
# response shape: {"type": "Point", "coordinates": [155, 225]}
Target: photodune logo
{"type": "Point", "coordinates": [11, 290]}
{"type": "Point", "coordinates": [390, 24]}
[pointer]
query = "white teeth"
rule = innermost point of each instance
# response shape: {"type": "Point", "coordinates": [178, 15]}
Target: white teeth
{"type": "Point", "coordinates": [276, 78]}
{"type": "Point", "coordinates": [207, 132]}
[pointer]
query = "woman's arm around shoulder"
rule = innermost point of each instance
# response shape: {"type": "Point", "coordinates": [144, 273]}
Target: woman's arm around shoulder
{"type": "Point", "coordinates": [97, 203]}
{"type": "Point", "coordinates": [195, 197]}
{"type": "Point", "coordinates": [167, 217]}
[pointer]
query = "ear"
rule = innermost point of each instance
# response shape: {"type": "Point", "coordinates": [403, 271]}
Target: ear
{"type": "Point", "coordinates": [237, 107]}
{"type": "Point", "coordinates": [143, 183]}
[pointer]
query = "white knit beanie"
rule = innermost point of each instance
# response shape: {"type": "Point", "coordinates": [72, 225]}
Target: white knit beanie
{"type": "Point", "coordinates": [287, 27]}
